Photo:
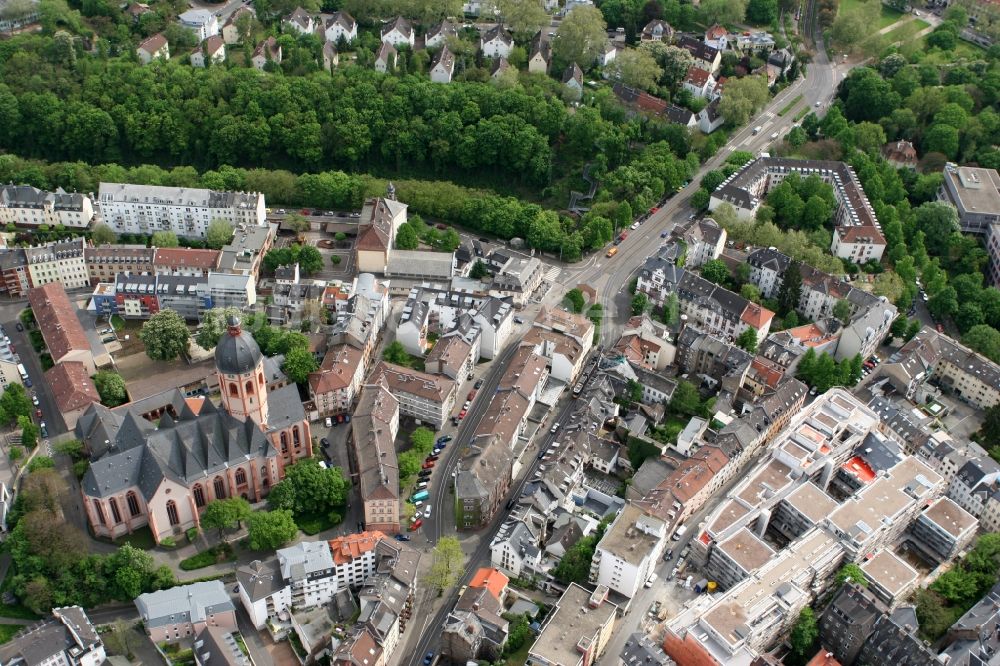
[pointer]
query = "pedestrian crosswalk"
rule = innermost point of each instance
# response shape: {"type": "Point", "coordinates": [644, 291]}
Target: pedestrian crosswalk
{"type": "Point", "coordinates": [552, 274]}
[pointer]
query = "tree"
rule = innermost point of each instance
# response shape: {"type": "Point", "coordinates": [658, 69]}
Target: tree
{"type": "Point", "coordinates": [751, 292]}
{"type": "Point", "coordinates": [394, 352]}
{"type": "Point", "coordinates": [218, 234]}
{"type": "Point", "coordinates": [804, 632]}
{"type": "Point", "coordinates": [409, 464]}
{"type": "Point", "coordinates": [223, 514]}
{"type": "Point", "coordinates": [850, 572]}
{"type": "Point", "coordinates": [985, 340]}
{"type": "Point", "coordinates": [40, 462]}
{"type": "Point", "coordinates": [747, 340]}
{"type": "Point", "coordinates": [937, 220]}
{"type": "Point", "coordinates": [298, 364]}
{"type": "Point", "coordinates": [640, 303]}
{"type": "Point", "coordinates": [101, 234]}
{"type": "Point", "coordinates": [576, 300]}
{"type": "Point", "coordinates": [790, 292]}
{"type": "Point", "coordinates": [29, 431]}
{"type": "Point", "coordinates": [213, 325]}
{"type": "Point", "coordinates": [842, 311]}
{"type": "Point", "coordinates": [762, 12]}
{"type": "Point", "coordinates": [524, 17]}
{"type": "Point", "coordinates": [944, 303]}
{"type": "Point", "coordinates": [406, 237]}
{"type": "Point", "coordinates": [165, 336]}
{"type": "Point", "coordinates": [580, 38]}
{"type": "Point", "coordinates": [478, 271]}
{"type": "Point", "coordinates": [716, 271]}
{"type": "Point", "coordinates": [111, 388]}
{"type": "Point", "coordinates": [309, 488]}
{"type": "Point", "coordinates": [743, 98]}
{"type": "Point", "coordinates": [269, 530]}
{"type": "Point", "coordinates": [990, 430]}
{"type": "Point", "coordinates": [723, 11]}
{"type": "Point", "coordinates": [447, 565]}
{"type": "Point", "coordinates": [422, 440]}
{"type": "Point", "coordinates": [310, 260]}
{"type": "Point", "coordinates": [685, 401]}
{"type": "Point", "coordinates": [14, 403]}
{"type": "Point", "coordinates": [164, 239]}
{"type": "Point", "coordinates": [636, 68]}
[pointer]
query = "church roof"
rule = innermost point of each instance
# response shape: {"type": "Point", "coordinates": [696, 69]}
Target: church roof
{"type": "Point", "coordinates": [237, 352]}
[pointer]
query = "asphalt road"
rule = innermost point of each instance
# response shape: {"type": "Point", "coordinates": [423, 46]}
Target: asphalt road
{"type": "Point", "coordinates": [480, 557]}
{"type": "Point", "coordinates": [611, 275]}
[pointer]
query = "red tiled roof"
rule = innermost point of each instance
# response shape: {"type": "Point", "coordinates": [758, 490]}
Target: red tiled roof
{"type": "Point", "coordinates": [697, 77]}
{"type": "Point", "coordinates": [57, 320]}
{"type": "Point", "coordinates": [716, 31]}
{"type": "Point", "coordinates": [185, 257]}
{"type": "Point", "coordinates": [154, 43]}
{"type": "Point", "coordinates": [71, 385]}
{"type": "Point", "coordinates": [756, 316]}
{"type": "Point", "coordinates": [492, 580]}
{"type": "Point", "coordinates": [346, 548]}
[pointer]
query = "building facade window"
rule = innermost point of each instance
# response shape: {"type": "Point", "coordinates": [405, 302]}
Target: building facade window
{"type": "Point", "coordinates": [220, 488]}
{"type": "Point", "coordinates": [241, 477]}
{"type": "Point", "coordinates": [172, 513]}
{"type": "Point", "coordinates": [115, 513]}
{"type": "Point", "coordinates": [133, 504]}
{"type": "Point", "coordinates": [199, 495]}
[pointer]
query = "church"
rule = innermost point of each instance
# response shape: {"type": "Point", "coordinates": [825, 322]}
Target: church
{"type": "Point", "coordinates": [162, 473]}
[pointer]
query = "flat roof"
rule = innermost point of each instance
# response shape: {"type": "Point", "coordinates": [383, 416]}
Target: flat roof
{"type": "Point", "coordinates": [731, 512]}
{"type": "Point", "coordinates": [950, 517]}
{"type": "Point", "coordinates": [769, 479]}
{"type": "Point", "coordinates": [572, 625]}
{"type": "Point", "coordinates": [889, 572]}
{"type": "Point", "coordinates": [809, 500]}
{"type": "Point", "coordinates": [626, 542]}
{"type": "Point", "coordinates": [746, 550]}
{"type": "Point", "coordinates": [978, 189]}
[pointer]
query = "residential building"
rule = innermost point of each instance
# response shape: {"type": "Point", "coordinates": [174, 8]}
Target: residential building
{"type": "Point", "coordinates": [640, 649]}
{"type": "Point", "coordinates": [757, 43]}
{"type": "Point", "coordinates": [300, 577]}
{"type": "Point", "coordinates": [499, 68]}
{"type": "Point", "coordinates": [385, 59]}
{"type": "Point", "coordinates": [475, 628]}
{"type": "Point", "coordinates": [712, 308]}
{"type": "Point", "coordinates": [380, 221]}
{"type": "Point", "coordinates": [857, 235]}
{"type": "Point", "coordinates": [565, 339]}
{"type": "Point", "coordinates": [687, 487]}
{"type": "Point", "coordinates": [710, 118]}
{"type": "Point", "coordinates": [975, 192]}
{"type": "Point", "coordinates": [895, 642]}
{"type": "Point", "coordinates": [717, 37]}
{"type": "Point", "coordinates": [299, 21]}
{"type": "Point", "coordinates": [398, 32]}
{"type": "Point", "coordinates": [900, 154]}
{"type": "Point", "coordinates": [539, 55]}
{"type": "Point", "coordinates": [230, 29]}
{"type": "Point", "coordinates": [608, 54]}
{"type": "Point", "coordinates": [16, 18]}
{"type": "Point", "coordinates": [358, 649]}
{"type": "Point", "coordinates": [680, 116]}
{"type": "Point", "coordinates": [337, 381]}
{"type": "Point", "coordinates": [496, 43]}
{"type": "Point", "coordinates": [644, 342]}
{"type": "Point", "coordinates": [950, 365]}
{"type": "Point", "coordinates": [140, 296]}
{"type": "Point", "coordinates": [439, 34]}
{"type": "Point", "coordinates": [518, 278]}
{"type": "Point", "coordinates": [629, 552]}
{"type": "Point", "coordinates": [73, 391]}
{"type": "Point", "coordinates": [153, 48]}
{"type": "Point", "coordinates": [185, 610]}
{"type": "Point", "coordinates": [703, 241]}
{"type": "Point", "coordinates": [657, 31]}
{"type": "Point", "coordinates": [889, 577]}
{"type": "Point", "coordinates": [61, 329]}
{"type": "Point", "coordinates": [184, 261]}
{"type": "Point", "coordinates": [61, 262]}
{"type": "Point", "coordinates": [201, 22]}
{"type": "Point", "coordinates": [267, 52]}
{"type": "Point", "coordinates": [340, 25]}
{"type": "Point", "coordinates": [973, 639]}
{"type": "Point", "coordinates": [185, 211]}
{"type": "Point", "coordinates": [68, 639]}
{"type": "Point", "coordinates": [422, 396]}
{"type": "Point", "coordinates": [14, 272]}
{"type": "Point", "coordinates": [163, 474]}
{"type": "Point", "coordinates": [849, 620]}
{"type": "Point", "coordinates": [26, 206]}
{"type": "Point", "coordinates": [211, 51]}
{"type": "Point", "coordinates": [217, 646]}
{"type": "Point", "coordinates": [699, 82]}
{"type": "Point", "coordinates": [705, 56]}
{"type": "Point", "coordinates": [454, 355]}
{"type": "Point", "coordinates": [577, 629]}
{"type": "Point", "coordinates": [443, 66]}
{"type": "Point", "coordinates": [376, 424]}
{"type": "Point", "coordinates": [572, 81]}
{"type": "Point", "coordinates": [245, 252]}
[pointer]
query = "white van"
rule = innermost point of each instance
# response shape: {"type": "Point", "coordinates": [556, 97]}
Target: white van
{"type": "Point", "coordinates": [650, 580]}
{"type": "Point", "coordinates": [427, 511]}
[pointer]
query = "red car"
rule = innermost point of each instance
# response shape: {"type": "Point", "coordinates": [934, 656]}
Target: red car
{"type": "Point", "coordinates": [653, 209]}
{"type": "Point", "coordinates": [305, 211]}
{"type": "Point", "coordinates": [428, 464]}
{"type": "Point", "coordinates": [415, 525]}
{"type": "Point", "coordinates": [461, 414]}
{"type": "Point", "coordinates": [38, 413]}
{"type": "Point", "coordinates": [472, 395]}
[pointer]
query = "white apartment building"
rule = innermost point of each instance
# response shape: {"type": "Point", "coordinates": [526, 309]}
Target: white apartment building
{"type": "Point", "coordinates": [427, 398]}
{"type": "Point", "coordinates": [201, 22]}
{"type": "Point", "coordinates": [185, 211]}
{"type": "Point", "coordinates": [58, 262]}
{"type": "Point", "coordinates": [26, 206]}
{"type": "Point", "coordinates": [629, 551]}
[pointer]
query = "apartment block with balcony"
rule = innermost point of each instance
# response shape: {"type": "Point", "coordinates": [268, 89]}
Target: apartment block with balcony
{"type": "Point", "coordinates": [629, 551]}
{"type": "Point", "coordinates": [944, 529]}
{"type": "Point", "coordinates": [26, 206]}
{"type": "Point", "coordinates": [577, 629]}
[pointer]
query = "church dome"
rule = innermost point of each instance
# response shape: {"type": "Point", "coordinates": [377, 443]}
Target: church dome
{"type": "Point", "coordinates": [237, 352]}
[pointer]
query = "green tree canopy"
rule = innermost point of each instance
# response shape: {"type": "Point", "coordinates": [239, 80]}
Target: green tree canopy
{"type": "Point", "coordinates": [308, 488]}
{"type": "Point", "coordinates": [299, 362]}
{"type": "Point", "coordinates": [14, 403]}
{"type": "Point", "coordinates": [448, 564]}
{"type": "Point", "coordinates": [165, 336]}
{"type": "Point", "coordinates": [223, 514]}
{"type": "Point", "coordinates": [111, 388]}
{"type": "Point", "coordinates": [164, 239]}
{"type": "Point", "coordinates": [270, 530]}
{"type": "Point", "coordinates": [102, 234]}
{"type": "Point", "coordinates": [218, 234]}
{"type": "Point", "coordinates": [716, 271]}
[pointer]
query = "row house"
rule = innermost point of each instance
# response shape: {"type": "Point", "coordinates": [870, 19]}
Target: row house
{"type": "Point", "coordinates": [26, 206]}
{"type": "Point", "coordinates": [61, 262]}
{"type": "Point", "coordinates": [373, 435]}
{"type": "Point", "coordinates": [140, 296]}
{"type": "Point", "coordinates": [185, 211]}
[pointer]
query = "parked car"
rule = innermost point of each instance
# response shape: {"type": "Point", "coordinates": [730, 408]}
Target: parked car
{"type": "Point", "coordinates": [471, 396]}
{"type": "Point", "coordinates": [38, 413]}
{"type": "Point", "coordinates": [478, 385]}
{"type": "Point", "coordinates": [27, 380]}
{"type": "Point", "coordinates": [18, 326]}
{"type": "Point", "coordinates": [555, 427]}
{"type": "Point", "coordinates": [431, 458]}
{"type": "Point", "coordinates": [454, 420]}
{"type": "Point", "coordinates": [517, 320]}
{"type": "Point", "coordinates": [44, 430]}
{"type": "Point", "coordinates": [424, 473]}
{"type": "Point", "coordinates": [428, 658]}
{"type": "Point", "coordinates": [328, 422]}
{"type": "Point", "coordinates": [34, 399]}
{"type": "Point", "coordinates": [427, 511]}
{"type": "Point", "coordinates": [468, 403]}
{"type": "Point", "coordinates": [462, 413]}
{"type": "Point", "coordinates": [428, 464]}
{"type": "Point", "coordinates": [415, 525]}
{"type": "Point", "coordinates": [441, 445]}
{"type": "Point", "coordinates": [664, 234]}
{"type": "Point", "coordinates": [444, 438]}
{"type": "Point", "coordinates": [401, 537]}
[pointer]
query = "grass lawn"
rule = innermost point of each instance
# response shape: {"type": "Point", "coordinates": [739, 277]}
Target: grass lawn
{"type": "Point", "coordinates": [520, 656]}
{"type": "Point", "coordinates": [791, 105]}
{"type": "Point", "coordinates": [314, 523]}
{"type": "Point", "coordinates": [887, 17]}
{"type": "Point", "coordinates": [906, 31]}
{"type": "Point", "coordinates": [206, 558]}
{"type": "Point", "coordinates": [142, 539]}
{"type": "Point", "coordinates": [17, 612]}
{"type": "Point", "coordinates": [8, 631]}
{"type": "Point", "coordinates": [117, 322]}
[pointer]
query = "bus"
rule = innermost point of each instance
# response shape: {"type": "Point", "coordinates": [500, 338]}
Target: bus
{"type": "Point", "coordinates": [21, 371]}
{"type": "Point", "coordinates": [419, 497]}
